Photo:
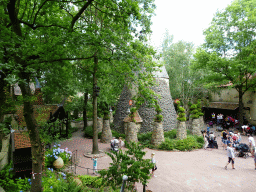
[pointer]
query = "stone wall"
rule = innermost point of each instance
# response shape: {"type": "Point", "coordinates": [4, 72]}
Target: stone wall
{"type": "Point", "coordinates": [148, 114]}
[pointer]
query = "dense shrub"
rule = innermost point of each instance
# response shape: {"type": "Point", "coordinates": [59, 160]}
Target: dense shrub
{"type": "Point", "coordinates": [145, 138]}
{"type": "Point", "coordinates": [88, 132]}
{"type": "Point", "coordinates": [188, 144]}
{"type": "Point", "coordinates": [9, 184]}
{"type": "Point", "coordinates": [170, 134]}
{"type": "Point", "coordinates": [90, 181]}
{"type": "Point", "coordinates": [117, 134]}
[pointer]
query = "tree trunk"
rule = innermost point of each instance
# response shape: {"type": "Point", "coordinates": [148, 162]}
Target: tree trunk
{"type": "Point", "coordinates": [84, 110]}
{"type": "Point", "coordinates": [2, 94]}
{"type": "Point", "coordinates": [95, 149]}
{"type": "Point", "coordinates": [241, 106]}
{"type": "Point", "coordinates": [36, 146]}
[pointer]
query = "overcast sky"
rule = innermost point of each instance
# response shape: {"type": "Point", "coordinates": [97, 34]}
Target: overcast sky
{"type": "Point", "coordinates": [184, 19]}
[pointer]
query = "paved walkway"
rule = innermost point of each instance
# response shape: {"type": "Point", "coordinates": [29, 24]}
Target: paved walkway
{"type": "Point", "coordinates": [196, 171]}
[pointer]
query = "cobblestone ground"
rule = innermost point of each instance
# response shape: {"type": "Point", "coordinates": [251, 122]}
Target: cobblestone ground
{"type": "Point", "coordinates": [196, 171]}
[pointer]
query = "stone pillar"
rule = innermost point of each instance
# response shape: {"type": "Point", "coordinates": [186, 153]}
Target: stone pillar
{"type": "Point", "coordinates": [131, 131]}
{"type": "Point", "coordinates": [182, 131]}
{"type": "Point", "coordinates": [106, 135]}
{"type": "Point", "coordinates": [5, 151]}
{"type": "Point", "coordinates": [111, 117]}
{"type": "Point", "coordinates": [158, 134]}
{"type": "Point", "coordinates": [196, 127]}
{"type": "Point", "coordinates": [201, 120]}
{"type": "Point", "coordinates": [99, 124]}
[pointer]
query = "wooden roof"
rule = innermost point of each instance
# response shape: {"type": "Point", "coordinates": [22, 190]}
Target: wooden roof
{"type": "Point", "coordinates": [21, 140]}
{"type": "Point", "coordinates": [223, 105]}
{"type": "Point", "coordinates": [137, 118]}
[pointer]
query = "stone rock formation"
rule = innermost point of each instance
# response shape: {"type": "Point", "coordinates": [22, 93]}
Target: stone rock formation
{"type": "Point", "coordinates": [148, 114]}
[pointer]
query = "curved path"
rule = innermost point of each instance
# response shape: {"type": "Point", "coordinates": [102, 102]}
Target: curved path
{"type": "Point", "coordinates": [196, 171]}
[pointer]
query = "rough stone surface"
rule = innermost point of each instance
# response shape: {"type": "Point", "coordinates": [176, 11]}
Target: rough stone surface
{"type": "Point", "coordinates": [148, 114]}
{"type": "Point", "coordinates": [131, 131]}
{"type": "Point", "coordinates": [196, 127]}
{"type": "Point", "coordinates": [158, 134]}
{"type": "Point", "coordinates": [99, 124]}
{"type": "Point", "coordinates": [111, 117]}
{"type": "Point", "coordinates": [106, 135]}
{"type": "Point", "coordinates": [201, 121]}
{"type": "Point", "coordinates": [181, 130]}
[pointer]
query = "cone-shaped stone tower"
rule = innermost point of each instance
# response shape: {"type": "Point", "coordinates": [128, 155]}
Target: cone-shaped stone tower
{"type": "Point", "coordinates": [148, 114]}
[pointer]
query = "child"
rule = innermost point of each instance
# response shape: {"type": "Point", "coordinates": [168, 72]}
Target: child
{"type": "Point", "coordinates": [231, 156]}
{"type": "Point", "coordinates": [154, 162]}
{"type": "Point", "coordinates": [95, 161]}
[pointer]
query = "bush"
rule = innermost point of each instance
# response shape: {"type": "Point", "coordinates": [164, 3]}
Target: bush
{"type": "Point", "coordinates": [90, 181]}
{"type": "Point", "coordinates": [168, 144]}
{"type": "Point", "coordinates": [88, 132]}
{"type": "Point", "coordinates": [170, 134]}
{"type": "Point", "coordinates": [145, 138]}
{"type": "Point", "coordinates": [182, 119]}
{"type": "Point", "coordinates": [117, 134]}
{"type": "Point", "coordinates": [9, 184]}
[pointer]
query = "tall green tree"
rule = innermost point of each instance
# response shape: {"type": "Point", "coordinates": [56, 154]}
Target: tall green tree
{"type": "Point", "coordinates": [177, 60]}
{"type": "Point", "coordinates": [38, 35]}
{"type": "Point", "coordinates": [228, 56]}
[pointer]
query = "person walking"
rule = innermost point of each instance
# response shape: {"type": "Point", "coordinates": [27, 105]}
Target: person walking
{"type": "Point", "coordinates": [231, 156]}
{"type": "Point", "coordinates": [153, 160]}
{"type": "Point", "coordinates": [225, 138]}
{"type": "Point", "coordinates": [95, 163]}
{"type": "Point", "coordinates": [251, 144]}
{"type": "Point", "coordinates": [205, 140]}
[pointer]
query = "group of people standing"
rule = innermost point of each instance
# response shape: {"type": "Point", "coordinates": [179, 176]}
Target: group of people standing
{"type": "Point", "coordinates": [226, 121]}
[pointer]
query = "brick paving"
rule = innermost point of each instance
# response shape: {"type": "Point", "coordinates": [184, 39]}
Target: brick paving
{"type": "Point", "coordinates": [196, 171]}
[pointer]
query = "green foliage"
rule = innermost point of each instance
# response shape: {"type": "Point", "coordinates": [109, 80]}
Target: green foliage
{"type": "Point", "coordinates": [181, 115]}
{"type": "Point", "coordinates": [170, 134]}
{"type": "Point", "coordinates": [9, 105]}
{"type": "Point", "coordinates": [194, 116]}
{"type": "Point", "coordinates": [132, 113]}
{"type": "Point", "coordinates": [188, 144]}
{"type": "Point", "coordinates": [228, 54]}
{"type": "Point", "coordinates": [130, 163]}
{"type": "Point", "coordinates": [88, 132]}
{"type": "Point", "coordinates": [90, 181]}
{"type": "Point", "coordinates": [145, 138]}
{"type": "Point", "coordinates": [9, 184]}
{"type": "Point", "coordinates": [117, 134]}
{"type": "Point", "coordinates": [158, 118]}
{"type": "Point", "coordinates": [182, 118]}
{"type": "Point", "coordinates": [5, 126]}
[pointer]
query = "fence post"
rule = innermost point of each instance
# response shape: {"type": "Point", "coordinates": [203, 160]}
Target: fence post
{"type": "Point", "coordinates": [67, 126]}
{"type": "Point", "coordinates": [123, 185]}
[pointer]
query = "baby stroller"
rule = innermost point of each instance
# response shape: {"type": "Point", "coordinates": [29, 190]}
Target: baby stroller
{"type": "Point", "coordinates": [212, 143]}
{"type": "Point", "coordinates": [242, 150]}
{"type": "Point", "coordinates": [114, 145]}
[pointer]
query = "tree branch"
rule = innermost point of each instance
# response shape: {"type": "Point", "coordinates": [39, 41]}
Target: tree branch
{"type": "Point", "coordinates": [79, 14]}
{"type": "Point", "coordinates": [38, 11]}
{"type": "Point", "coordinates": [32, 26]}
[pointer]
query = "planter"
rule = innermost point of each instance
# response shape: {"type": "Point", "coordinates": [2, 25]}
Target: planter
{"type": "Point", "coordinates": [131, 131]}
{"type": "Point", "coordinates": [106, 135]}
{"type": "Point", "coordinates": [158, 134]}
{"type": "Point", "coordinates": [58, 163]}
{"type": "Point", "coordinates": [99, 124]}
{"type": "Point", "coordinates": [181, 130]}
{"type": "Point", "coordinates": [196, 127]}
